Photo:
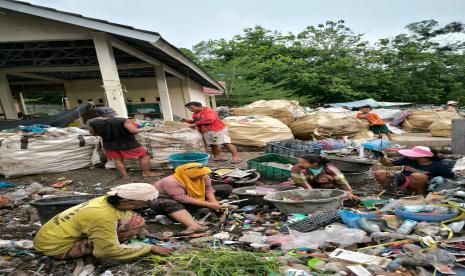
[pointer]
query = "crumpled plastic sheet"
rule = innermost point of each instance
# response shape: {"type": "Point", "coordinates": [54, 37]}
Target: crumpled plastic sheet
{"type": "Point", "coordinates": [342, 235]}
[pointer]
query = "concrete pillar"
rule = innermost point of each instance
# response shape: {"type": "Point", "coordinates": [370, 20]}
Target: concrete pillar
{"type": "Point", "coordinates": [22, 104]}
{"type": "Point", "coordinates": [8, 103]}
{"type": "Point", "coordinates": [68, 89]}
{"type": "Point", "coordinates": [207, 101]}
{"type": "Point", "coordinates": [109, 71]}
{"type": "Point", "coordinates": [187, 96]}
{"type": "Point", "coordinates": [458, 136]}
{"type": "Point", "coordinates": [213, 102]}
{"type": "Point", "coordinates": [164, 93]}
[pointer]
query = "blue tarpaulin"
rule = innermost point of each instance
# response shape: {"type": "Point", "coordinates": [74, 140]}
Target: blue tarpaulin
{"type": "Point", "coordinates": [370, 102]}
{"type": "Point", "coordinates": [358, 104]}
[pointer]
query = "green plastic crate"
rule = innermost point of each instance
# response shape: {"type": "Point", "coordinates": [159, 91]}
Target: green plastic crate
{"type": "Point", "coordinates": [269, 172]}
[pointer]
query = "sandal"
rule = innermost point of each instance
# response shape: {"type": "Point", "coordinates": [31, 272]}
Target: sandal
{"type": "Point", "coordinates": [220, 160]}
{"type": "Point", "coordinates": [237, 161]}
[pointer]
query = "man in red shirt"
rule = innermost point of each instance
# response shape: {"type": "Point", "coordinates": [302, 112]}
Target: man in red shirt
{"type": "Point", "coordinates": [213, 130]}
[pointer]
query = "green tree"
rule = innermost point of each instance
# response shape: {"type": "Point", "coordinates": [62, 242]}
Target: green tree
{"type": "Point", "coordinates": [331, 63]}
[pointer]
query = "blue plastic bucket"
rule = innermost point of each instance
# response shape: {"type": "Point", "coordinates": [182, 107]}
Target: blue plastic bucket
{"type": "Point", "coordinates": [179, 159]}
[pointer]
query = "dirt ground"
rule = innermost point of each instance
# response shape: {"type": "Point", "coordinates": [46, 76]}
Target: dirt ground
{"type": "Point", "coordinates": [20, 221]}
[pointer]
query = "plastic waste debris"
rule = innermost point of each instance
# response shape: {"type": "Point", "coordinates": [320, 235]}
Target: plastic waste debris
{"type": "Point", "coordinates": [261, 246]}
{"type": "Point", "coordinates": [252, 237]}
{"type": "Point", "coordinates": [426, 216]}
{"type": "Point", "coordinates": [372, 225]}
{"type": "Point", "coordinates": [391, 205]}
{"type": "Point", "coordinates": [360, 258]}
{"type": "Point", "coordinates": [316, 264]}
{"type": "Point", "coordinates": [440, 183]}
{"type": "Point", "coordinates": [392, 221]}
{"type": "Point", "coordinates": [88, 270]}
{"type": "Point", "coordinates": [222, 236]}
{"type": "Point", "coordinates": [456, 227]}
{"type": "Point", "coordinates": [287, 259]}
{"type": "Point", "coordinates": [338, 234]}
{"type": "Point", "coordinates": [296, 272]}
{"type": "Point", "coordinates": [334, 266]}
{"type": "Point", "coordinates": [427, 229]}
{"type": "Point", "coordinates": [407, 227]}
{"type": "Point", "coordinates": [359, 270]}
{"type": "Point", "coordinates": [20, 244]}
{"type": "Point", "coordinates": [415, 256]}
{"type": "Point", "coordinates": [352, 219]}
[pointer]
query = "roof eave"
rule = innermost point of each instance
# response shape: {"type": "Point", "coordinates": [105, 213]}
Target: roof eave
{"type": "Point", "coordinates": [174, 52]}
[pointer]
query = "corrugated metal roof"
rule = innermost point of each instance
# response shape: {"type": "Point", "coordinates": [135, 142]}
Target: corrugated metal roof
{"type": "Point", "coordinates": [85, 17]}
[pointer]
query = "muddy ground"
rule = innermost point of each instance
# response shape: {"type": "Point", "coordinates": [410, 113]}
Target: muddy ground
{"type": "Point", "coordinates": [20, 221]}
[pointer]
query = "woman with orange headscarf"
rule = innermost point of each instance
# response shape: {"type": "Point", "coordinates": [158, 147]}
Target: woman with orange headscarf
{"type": "Point", "coordinates": [188, 188]}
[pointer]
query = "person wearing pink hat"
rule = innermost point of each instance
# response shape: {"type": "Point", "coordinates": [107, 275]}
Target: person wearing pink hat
{"type": "Point", "coordinates": [420, 164]}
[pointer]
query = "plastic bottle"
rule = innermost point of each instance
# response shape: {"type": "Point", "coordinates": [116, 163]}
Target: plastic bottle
{"type": "Point", "coordinates": [407, 227]}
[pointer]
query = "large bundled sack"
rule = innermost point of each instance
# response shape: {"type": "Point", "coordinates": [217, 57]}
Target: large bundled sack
{"type": "Point", "coordinates": [172, 137]}
{"type": "Point", "coordinates": [329, 125]}
{"type": "Point", "coordinates": [283, 110]}
{"type": "Point", "coordinates": [441, 128]}
{"type": "Point", "coordinates": [24, 155]}
{"type": "Point", "coordinates": [256, 130]}
{"type": "Point", "coordinates": [420, 120]}
{"type": "Point", "coordinates": [164, 140]}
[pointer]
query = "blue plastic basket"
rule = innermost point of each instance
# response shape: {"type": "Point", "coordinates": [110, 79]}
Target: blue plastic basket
{"type": "Point", "coordinates": [179, 159]}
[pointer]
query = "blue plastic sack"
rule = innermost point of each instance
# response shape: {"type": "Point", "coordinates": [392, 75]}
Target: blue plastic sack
{"type": "Point", "coordinates": [4, 184]}
{"type": "Point", "coordinates": [377, 144]}
{"type": "Point", "coordinates": [352, 219]}
{"type": "Point", "coordinates": [36, 128]}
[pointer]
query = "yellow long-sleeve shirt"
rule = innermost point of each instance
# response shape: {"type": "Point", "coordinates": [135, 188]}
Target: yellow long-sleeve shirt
{"type": "Point", "coordinates": [96, 220]}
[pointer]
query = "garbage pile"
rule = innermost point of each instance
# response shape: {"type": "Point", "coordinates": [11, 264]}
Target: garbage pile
{"type": "Point", "coordinates": [406, 236]}
{"type": "Point", "coordinates": [44, 149]}
{"type": "Point", "coordinates": [282, 110]}
{"type": "Point", "coordinates": [329, 125]}
{"type": "Point", "coordinates": [256, 131]}
{"type": "Point", "coordinates": [338, 120]}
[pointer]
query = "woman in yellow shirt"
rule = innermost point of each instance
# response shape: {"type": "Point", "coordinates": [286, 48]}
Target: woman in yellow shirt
{"type": "Point", "coordinates": [100, 226]}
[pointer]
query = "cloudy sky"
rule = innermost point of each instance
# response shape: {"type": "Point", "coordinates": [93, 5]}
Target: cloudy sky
{"type": "Point", "coordinates": [187, 22]}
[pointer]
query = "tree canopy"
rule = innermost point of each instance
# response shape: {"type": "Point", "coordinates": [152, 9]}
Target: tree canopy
{"type": "Point", "coordinates": [331, 63]}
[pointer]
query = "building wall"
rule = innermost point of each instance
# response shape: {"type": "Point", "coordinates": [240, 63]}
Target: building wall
{"type": "Point", "coordinates": [196, 93]}
{"type": "Point", "coordinates": [177, 97]}
{"type": "Point", "coordinates": [136, 88]}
